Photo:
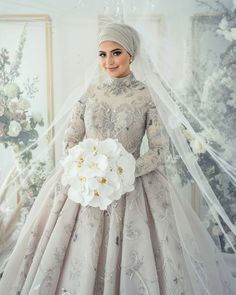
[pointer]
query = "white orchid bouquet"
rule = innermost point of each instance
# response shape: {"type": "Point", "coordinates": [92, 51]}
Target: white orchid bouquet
{"type": "Point", "coordinates": [98, 172]}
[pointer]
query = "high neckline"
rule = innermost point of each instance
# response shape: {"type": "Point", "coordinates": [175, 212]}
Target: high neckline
{"type": "Point", "coordinates": [118, 86]}
{"type": "Point", "coordinates": [126, 80]}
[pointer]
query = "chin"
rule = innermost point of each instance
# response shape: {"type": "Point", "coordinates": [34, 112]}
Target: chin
{"type": "Point", "coordinates": [115, 75]}
{"type": "Point", "coordinates": [119, 73]}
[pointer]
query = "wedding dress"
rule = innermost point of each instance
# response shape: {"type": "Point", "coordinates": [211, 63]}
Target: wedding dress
{"type": "Point", "coordinates": [133, 247]}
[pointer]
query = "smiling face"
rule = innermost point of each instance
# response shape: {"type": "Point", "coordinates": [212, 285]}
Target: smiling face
{"type": "Point", "coordinates": [114, 59]}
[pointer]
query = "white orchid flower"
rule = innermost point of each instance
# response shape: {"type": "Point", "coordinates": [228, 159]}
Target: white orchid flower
{"type": "Point", "coordinates": [102, 203]}
{"type": "Point", "coordinates": [72, 164]}
{"type": "Point", "coordinates": [109, 147]}
{"type": "Point", "coordinates": [126, 171]}
{"type": "Point", "coordinates": [93, 165]}
{"type": "Point", "coordinates": [89, 145]}
{"type": "Point", "coordinates": [79, 195]}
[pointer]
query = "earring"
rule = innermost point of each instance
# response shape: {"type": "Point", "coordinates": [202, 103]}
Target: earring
{"type": "Point", "coordinates": [131, 60]}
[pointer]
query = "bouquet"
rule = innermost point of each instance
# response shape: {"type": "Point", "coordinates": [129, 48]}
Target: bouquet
{"type": "Point", "coordinates": [98, 172]}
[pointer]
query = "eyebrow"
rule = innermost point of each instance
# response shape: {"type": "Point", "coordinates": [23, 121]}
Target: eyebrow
{"type": "Point", "coordinates": [111, 50]}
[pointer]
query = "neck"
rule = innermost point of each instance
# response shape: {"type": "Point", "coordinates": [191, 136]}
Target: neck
{"type": "Point", "coordinates": [123, 78]}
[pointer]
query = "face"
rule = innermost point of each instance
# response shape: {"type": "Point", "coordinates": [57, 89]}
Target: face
{"type": "Point", "coordinates": [114, 59]}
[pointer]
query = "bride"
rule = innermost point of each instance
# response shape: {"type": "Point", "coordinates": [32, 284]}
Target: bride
{"type": "Point", "coordinates": [149, 241]}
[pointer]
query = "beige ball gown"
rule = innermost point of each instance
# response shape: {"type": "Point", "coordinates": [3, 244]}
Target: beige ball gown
{"type": "Point", "coordinates": [135, 246]}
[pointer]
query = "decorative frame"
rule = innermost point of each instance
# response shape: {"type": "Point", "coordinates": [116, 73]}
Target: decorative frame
{"type": "Point", "coordinates": [47, 31]}
{"type": "Point", "coordinates": [13, 194]}
{"type": "Point", "coordinates": [201, 23]}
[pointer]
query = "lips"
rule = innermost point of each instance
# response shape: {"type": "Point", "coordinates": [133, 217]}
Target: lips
{"type": "Point", "coordinates": [112, 68]}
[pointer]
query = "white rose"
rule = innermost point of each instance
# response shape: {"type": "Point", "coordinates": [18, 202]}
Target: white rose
{"type": "Point", "coordinates": [233, 33]}
{"type": "Point", "coordinates": [228, 36]}
{"type": "Point", "coordinates": [14, 129]}
{"type": "Point", "coordinates": [1, 110]}
{"type": "Point", "coordinates": [23, 104]}
{"type": "Point", "coordinates": [12, 90]}
{"type": "Point", "coordinates": [223, 24]}
{"type": "Point", "coordinates": [216, 231]}
{"type": "Point", "coordinates": [188, 134]}
{"type": "Point", "coordinates": [13, 105]}
{"type": "Point", "coordinates": [197, 146]}
{"type": "Point", "coordinates": [37, 117]}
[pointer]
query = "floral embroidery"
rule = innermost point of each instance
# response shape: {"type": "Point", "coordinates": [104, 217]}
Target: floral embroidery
{"type": "Point", "coordinates": [131, 233]}
{"type": "Point", "coordinates": [76, 269]}
{"type": "Point", "coordinates": [65, 292]}
{"type": "Point", "coordinates": [134, 264]}
{"type": "Point", "coordinates": [115, 122]}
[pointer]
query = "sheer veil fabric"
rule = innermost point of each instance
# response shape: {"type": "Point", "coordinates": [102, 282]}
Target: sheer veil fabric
{"type": "Point", "coordinates": [207, 271]}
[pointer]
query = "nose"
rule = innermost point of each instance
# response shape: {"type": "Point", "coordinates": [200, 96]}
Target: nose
{"type": "Point", "coordinates": [110, 60]}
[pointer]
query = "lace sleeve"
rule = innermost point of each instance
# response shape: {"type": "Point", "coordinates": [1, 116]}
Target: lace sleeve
{"type": "Point", "coordinates": [154, 157]}
{"type": "Point", "coordinates": [75, 130]}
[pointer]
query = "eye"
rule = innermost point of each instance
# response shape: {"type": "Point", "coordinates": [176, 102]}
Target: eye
{"type": "Point", "coordinates": [101, 54]}
{"type": "Point", "coordinates": [117, 53]}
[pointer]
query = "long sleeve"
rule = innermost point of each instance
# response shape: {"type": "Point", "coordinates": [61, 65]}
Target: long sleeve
{"type": "Point", "coordinates": [154, 157]}
{"type": "Point", "coordinates": [75, 130]}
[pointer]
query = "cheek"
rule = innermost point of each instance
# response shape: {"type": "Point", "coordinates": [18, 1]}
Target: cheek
{"type": "Point", "coordinates": [124, 60]}
{"type": "Point", "coordinates": [102, 63]}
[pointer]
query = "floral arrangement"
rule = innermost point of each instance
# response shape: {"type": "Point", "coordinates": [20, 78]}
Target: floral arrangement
{"type": "Point", "coordinates": [17, 123]}
{"type": "Point", "coordinates": [98, 172]}
{"type": "Point", "coordinates": [18, 131]}
{"type": "Point", "coordinates": [218, 102]}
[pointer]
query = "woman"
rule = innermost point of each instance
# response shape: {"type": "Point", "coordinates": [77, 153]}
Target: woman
{"type": "Point", "coordinates": [134, 246]}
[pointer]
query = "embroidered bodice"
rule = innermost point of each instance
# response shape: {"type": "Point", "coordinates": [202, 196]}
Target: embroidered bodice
{"type": "Point", "coordinates": [119, 108]}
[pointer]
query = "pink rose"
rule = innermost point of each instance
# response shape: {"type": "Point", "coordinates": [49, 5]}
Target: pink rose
{"type": "Point", "coordinates": [20, 116]}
